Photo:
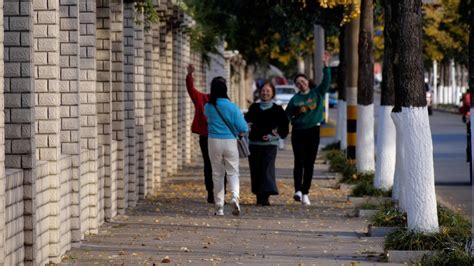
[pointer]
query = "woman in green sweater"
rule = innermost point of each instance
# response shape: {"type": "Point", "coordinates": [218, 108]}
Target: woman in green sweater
{"type": "Point", "coordinates": [305, 111]}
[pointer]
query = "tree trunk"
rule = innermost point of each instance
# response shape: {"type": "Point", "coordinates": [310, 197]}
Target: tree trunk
{"type": "Point", "coordinates": [471, 85]}
{"type": "Point", "coordinates": [365, 90]}
{"type": "Point", "coordinates": [386, 146]}
{"type": "Point", "coordinates": [352, 38]}
{"type": "Point", "coordinates": [411, 118]}
{"type": "Point", "coordinates": [341, 127]}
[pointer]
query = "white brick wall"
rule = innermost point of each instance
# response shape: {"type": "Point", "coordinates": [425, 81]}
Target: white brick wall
{"type": "Point", "coordinates": [139, 72]}
{"type": "Point", "coordinates": [118, 125]}
{"type": "Point", "coordinates": [166, 59]}
{"type": "Point", "coordinates": [96, 116]}
{"type": "Point", "coordinates": [104, 97]}
{"type": "Point", "coordinates": [88, 117]}
{"type": "Point", "coordinates": [129, 89]}
{"type": "Point", "coordinates": [157, 86]}
{"type": "Point", "coordinates": [149, 149]}
{"type": "Point", "coordinates": [18, 30]}
{"type": "Point", "coordinates": [14, 252]}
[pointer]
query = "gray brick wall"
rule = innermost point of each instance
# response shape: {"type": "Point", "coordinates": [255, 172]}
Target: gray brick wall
{"type": "Point", "coordinates": [139, 72]}
{"type": "Point", "coordinates": [2, 144]}
{"type": "Point", "coordinates": [88, 77]}
{"type": "Point", "coordinates": [96, 117]}
{"type": "Point", "coordinates": [129, 91]}
{"type": "Point", "coordinates": [104, 100]}
{"type": "Point", "coordinates": [14, 251]}
{"type": "Point", "coordinates": [166, 59]}
{"type": "Point", "coordinates": [157, 86]}
{"type": "Point", "coordinates": [48, 126]}
{"type": "Point", "coordinates": [19, 107]}
{"type": "Point", "coordinates": [148, 126]}
{"type": "Point", "coordinates": [118, 97]}
{"type": "Point", "coordinates": [70, 103]}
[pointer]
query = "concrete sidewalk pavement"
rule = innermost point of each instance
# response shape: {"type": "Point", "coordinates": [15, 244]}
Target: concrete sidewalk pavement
{"type": "Point", "coordinates": [176, 226]}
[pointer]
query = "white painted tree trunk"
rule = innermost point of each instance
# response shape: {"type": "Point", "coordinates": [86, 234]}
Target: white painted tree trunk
{"type": "Point", "coordinates": [472, 170]}
{"type": "Point", "coordinates": [365, 138]}
{"type": "Point", "coordinates": [413, 130]}
{"type": "Point", "coordinates": [342, 123]}
{"type": "Point", "coordinates": [385, 149]}
{"type": "Point", "coordinates": [397, 192]}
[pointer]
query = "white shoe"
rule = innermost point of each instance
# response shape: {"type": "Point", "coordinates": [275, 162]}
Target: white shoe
{"type": "Point", "coordinates": [219, 211]}
{"type": "Point", "coordinates": [305, 200]}
{"type": "Point", "coordinates": [234, 204]}
{"type": "Point", "coordinates": [297, 196]}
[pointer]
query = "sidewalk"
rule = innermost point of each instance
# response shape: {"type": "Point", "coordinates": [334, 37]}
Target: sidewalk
{"type": "Point", "coordinates": [176, 225]}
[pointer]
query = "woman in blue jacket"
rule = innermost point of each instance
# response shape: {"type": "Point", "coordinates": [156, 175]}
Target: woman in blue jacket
{"type": "Point", "coordinates": [225, 121]}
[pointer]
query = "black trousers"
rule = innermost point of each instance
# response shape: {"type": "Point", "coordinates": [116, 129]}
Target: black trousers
{"type": "Point", "coordinates": [207, 164]}
{"type": "Point", "coordinates": [262, 169]}
{"type": "Point", "coordinates": [305, 144]}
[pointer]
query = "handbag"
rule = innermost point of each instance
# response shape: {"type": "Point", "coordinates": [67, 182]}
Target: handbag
{"type": "Point", "coordinates": [242, 142]}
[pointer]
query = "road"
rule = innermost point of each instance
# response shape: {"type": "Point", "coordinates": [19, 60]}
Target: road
{"type": "Point", "coordinates": [449, 153]}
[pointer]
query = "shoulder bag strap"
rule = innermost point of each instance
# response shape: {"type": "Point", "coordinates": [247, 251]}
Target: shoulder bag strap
{"type": "Point", "coordinates": [225, 122]}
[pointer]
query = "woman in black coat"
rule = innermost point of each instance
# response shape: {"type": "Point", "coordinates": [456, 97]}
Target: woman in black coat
{"type": "Point", "coordinates": [268, 124]}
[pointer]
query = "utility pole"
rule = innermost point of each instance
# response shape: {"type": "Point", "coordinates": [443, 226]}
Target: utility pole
{"type": "Point", "coordinates": [352, 69]}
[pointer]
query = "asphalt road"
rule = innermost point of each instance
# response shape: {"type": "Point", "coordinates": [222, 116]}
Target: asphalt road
{"type": "Point", "coordinates": [449, 154]}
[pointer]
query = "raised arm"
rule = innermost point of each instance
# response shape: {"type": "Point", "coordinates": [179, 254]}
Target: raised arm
{"type": "Point", "coordinates": [192, 91]}
{"type": "Point", "coordinates": [326, 82]}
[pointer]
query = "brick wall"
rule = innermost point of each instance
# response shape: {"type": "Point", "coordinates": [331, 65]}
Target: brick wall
{"type": "Point", "coordinates": [96, 117]}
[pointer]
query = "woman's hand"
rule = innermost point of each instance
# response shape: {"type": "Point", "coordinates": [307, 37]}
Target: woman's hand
{"type": "Point", "coordinates": [326, 58]}
{"type": "Point", "coordinates": [275, 132]}
{"type": "Point", "coordinates": [190, 69]}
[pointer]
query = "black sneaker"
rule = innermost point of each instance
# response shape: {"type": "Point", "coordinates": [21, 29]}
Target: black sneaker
{"type": "Point", "coordinates": [210, 198]}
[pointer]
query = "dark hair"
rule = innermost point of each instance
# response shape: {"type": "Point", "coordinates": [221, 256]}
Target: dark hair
{"type": "Point", "coordinates": [218, 90]}
{"type": "Point", "coordinates": [311, 83]}
{"type": "Point", "coordinates": [300, 75]}
{"type": "Point", "coordinates": [269, 83]}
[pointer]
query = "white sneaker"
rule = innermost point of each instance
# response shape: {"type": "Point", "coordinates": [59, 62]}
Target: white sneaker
{"type": "Point", "coordinates": [297, 196]}
{"type": "Point", "coordinates": [306, 201]}
{"type": "Point", "coordinates": [234, 204]}
{"type": "Point", "coordinates": [219, 211]}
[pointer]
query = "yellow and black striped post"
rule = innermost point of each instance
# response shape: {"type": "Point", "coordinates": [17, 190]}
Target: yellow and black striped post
{"type": "Point", "coordinates": [351, 131]}
{"type": "Point", "coordinates": [352, 69]}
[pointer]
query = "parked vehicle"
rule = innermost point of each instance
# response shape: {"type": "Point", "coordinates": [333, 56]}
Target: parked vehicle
{"type": "Point", "coordinates": [332, 98]}
{"type": "Point", "coordinates": [284, 93]}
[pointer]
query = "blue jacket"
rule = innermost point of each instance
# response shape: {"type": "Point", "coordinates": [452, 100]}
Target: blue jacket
{"type": "Point", "coordinates": [216, 127]}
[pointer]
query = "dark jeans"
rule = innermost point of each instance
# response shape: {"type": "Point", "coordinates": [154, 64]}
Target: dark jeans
{"type": "Point", "coordinates": [207, 164]}
{"type": "Point", "coordinates": [305, 144]}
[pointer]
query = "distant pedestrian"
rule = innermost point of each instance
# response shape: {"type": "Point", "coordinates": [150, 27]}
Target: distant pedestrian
{"type": "Point", "coordinates": [305, 111]}
{"type": "Point", "coordinates": [199, 126]}
{"type": "Point", "coordinates": [225, 120]}
{"type": "Point", "coordinates": [268, 124]}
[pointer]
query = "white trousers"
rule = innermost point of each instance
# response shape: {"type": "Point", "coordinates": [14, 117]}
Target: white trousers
{"type": "Point", "coordinates": [224, 159]}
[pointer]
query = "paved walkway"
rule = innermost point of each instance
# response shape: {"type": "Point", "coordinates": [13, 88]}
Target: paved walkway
{"type": "Point", "coordinates": [177, 226]}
